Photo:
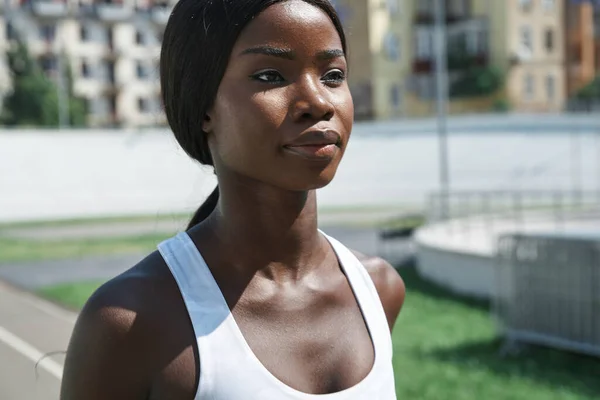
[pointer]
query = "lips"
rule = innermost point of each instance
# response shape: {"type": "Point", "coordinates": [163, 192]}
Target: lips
{"type": "Point", "coordinates": [317, 138]}
{"type": "Point", "coordinates": [321, 145]}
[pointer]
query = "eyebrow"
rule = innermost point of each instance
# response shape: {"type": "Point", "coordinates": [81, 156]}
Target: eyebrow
{"type": "Point", "coordinates": [288, 54]}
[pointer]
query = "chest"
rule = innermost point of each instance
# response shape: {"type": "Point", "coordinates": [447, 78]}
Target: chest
{"type": "Point", "coordinates": [314, 343]}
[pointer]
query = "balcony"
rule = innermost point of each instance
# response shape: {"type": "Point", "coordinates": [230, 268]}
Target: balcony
{"type": "Point", "coordinates": [456, 11]}
{"type": "Point", "coordinates": [49, 9]}
{"type": "Point", "coordinates": [114, 12]}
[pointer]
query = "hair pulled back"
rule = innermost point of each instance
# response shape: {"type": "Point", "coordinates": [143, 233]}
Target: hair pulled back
{"type": "Point", "coordinates": [197, 43]}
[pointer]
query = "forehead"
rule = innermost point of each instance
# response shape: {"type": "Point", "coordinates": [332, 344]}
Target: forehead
{"type": "Point", "coordinates": [293, 23]}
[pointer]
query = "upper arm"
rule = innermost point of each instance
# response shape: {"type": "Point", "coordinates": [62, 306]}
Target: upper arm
{"type": "Point", "coordinates": [389, 285]}
{"type": "Point", "coordinates": [105, 357]}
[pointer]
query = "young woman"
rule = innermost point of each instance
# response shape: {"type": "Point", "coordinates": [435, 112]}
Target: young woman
{"type": "Point", "coordinates": [253, 301]}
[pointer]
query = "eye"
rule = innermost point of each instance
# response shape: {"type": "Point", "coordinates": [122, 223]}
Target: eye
{"type": "Point", "coordinates": [268, 76]}
{"type": "Point", "coordinates": [335, 76]}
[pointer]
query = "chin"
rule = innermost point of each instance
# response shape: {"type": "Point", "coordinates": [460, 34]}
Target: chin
{"type": "Point", "coordinates": [306, 183]}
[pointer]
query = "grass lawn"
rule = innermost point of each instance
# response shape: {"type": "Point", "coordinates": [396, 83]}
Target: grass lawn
{"type": "Point", "coordinates": [95, 220]}
{"type": "Point", "coordinates": [72, 295]}
{"type": "Point", "coordinates": [446, 349]}
{"type": "Point", "coordinates": [14, 249]}
{"type": "Point", "coordinates": [17, 250]}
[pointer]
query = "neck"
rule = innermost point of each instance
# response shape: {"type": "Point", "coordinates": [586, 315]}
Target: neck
{"type": "Point", "coordinates": [265, 230]}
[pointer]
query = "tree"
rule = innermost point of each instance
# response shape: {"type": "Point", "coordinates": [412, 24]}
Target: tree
{"type": "Point", "coordinates": [34, 99]}
{"type": "Point", "coordinates": [589, 92]}
{"type": "Point", "coordinates": [475, 78]}
{"type": "Point", "coordinates": [477, 81]}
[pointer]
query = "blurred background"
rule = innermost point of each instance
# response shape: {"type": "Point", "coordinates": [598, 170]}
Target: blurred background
{"type": "Point", "coordinates": [474, 167]}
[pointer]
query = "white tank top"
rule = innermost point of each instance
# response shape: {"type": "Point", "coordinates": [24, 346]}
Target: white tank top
{"type": "Point", "coordinates": [229, 370]}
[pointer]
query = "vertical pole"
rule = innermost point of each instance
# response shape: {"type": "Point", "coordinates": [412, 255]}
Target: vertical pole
{"type": "Point", "coordinates": [442, 101]}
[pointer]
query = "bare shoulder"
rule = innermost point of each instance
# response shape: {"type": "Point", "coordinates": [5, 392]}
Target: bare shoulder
{"type": "Point", "coordinates": [110, 338]}
{"type": "Point", "coordinates": [388, 282]}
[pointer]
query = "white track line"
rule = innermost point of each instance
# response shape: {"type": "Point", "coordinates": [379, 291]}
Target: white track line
{"type": "Point", "coordinates": [31, 352]}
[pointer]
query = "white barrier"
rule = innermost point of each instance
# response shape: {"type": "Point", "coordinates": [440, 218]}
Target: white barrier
{"type": "Point", "coordinates": [51, 174]}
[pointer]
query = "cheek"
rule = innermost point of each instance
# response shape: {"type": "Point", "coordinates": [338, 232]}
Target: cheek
{"type": "Point", "coordinates": [246, 121]}
{"type": "Point", "coordinates": [345, 110]}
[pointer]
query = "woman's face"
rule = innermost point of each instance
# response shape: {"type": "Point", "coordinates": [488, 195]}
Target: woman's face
{"type": "Point", "coordinates": [283, 112]}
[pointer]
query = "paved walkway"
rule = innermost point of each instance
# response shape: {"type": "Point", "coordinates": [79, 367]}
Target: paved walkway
{"type": "Point", "coordinates": [29, 329]}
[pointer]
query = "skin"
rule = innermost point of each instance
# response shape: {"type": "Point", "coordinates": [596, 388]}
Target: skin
{"type": "Point", "coordinates": [283, 275]}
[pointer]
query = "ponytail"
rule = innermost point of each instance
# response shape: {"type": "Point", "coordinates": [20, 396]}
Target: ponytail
{"type": "Point", "coordinates": [205, 209]}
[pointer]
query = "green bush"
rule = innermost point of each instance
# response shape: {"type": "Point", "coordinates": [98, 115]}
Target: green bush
{"type": "Point", "coordinates": [477, 81]}
{"type": "Point", "coordinates": [501, 105]}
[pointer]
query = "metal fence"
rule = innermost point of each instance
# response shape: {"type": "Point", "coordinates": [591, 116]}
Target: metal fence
{"type": "Point", "coordinates": [467, 209]}
{"type": "Point", "coordinates": [547, 291]}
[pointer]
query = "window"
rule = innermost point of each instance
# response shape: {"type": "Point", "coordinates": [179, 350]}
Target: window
{"type": "Point", "coordinates": [396, 97]}
{"type": "Point", "coordinates": [91, 106]}
{"type": "Point", "coordinates": [49, 64]}
{"type": "Point", "coordinates": [548, 5]}
{"type": "Point", "coordinates": [472, 40]}
{"type": "Point", "coordinates": [525, 4]}
{"type": "Point", "coordinates": [549, 39]}
{"type": "Point", "coordinates": [458, 8]}
{"type": "Point", "coordinates": [85, 69]}
{"type": "Point", "coordinates": [391, 44]}
{"type": "Point", "coordinates": [528, 87]}
{"type": "Point", "coordinates": [424, 86]}
{"type": "Point", "coordinates": [424, 6]}
{"type": "Point", "coordinates": [526, 41]}
{"type": "Point", "coordinates": [424, 43]}
{"type": "Point", "coordinates": [11, 32]}
{"type": "Point", "coordinates": [550, 88]}
{"type": "Point", "coordinates": [47, 32]}
{"type": "Point", "coordinates": [84, 33]}
{"type": "Point", "coordinates": [139, 37]}
{"type": "Point", "coordinates": [141, 71]}
{"type": "Point", "coordinates": [143, 105]}
{"type": "Point", "coordinates": [393, 6]}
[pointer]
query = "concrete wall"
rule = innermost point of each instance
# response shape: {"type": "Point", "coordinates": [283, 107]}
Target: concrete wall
{"type": "Point", "coordinates": [463, 273]}
{"type": "Point", "coordinates": [51, 174]}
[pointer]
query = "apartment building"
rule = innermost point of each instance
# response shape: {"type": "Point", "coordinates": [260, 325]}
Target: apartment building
{"type": "Point", "coordinates": [523, 38]}
{"type": "Point", "coordinates": [392, 52]}
{"type": "Point", "coordinates": [112, 48]}
{"type": "Point", "coordinates": [528, 42]}
{"type": "Point", "coordinates": [467, 33]}
{"type": "Point", "coordinates": [378, 36]}
{"type": "Point", "coordinates": [582, 21]}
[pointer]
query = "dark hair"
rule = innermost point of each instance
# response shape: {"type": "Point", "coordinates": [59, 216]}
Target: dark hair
{"type": "Point", "coordinates": [197, 43]}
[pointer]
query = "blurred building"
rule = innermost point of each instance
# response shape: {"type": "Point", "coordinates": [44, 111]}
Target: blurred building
{"type": "Point", "coordinates": [378, 39]}
{"type": "Point", "coordinates": [544, 49]}
{"type": "Point", "coordinates": [392, 53]}
{"type": "Point", "coordinates": [113, 50]}
{"type": "Point", "coordinates": [582, 20]}
{"type": "Point", "coordinates": [528, 43]}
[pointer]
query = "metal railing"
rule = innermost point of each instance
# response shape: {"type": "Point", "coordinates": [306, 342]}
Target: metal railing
{"type": "Point", "coordinates": [547, 291]}
{"type": "Point", "coordinates": [469, 209]}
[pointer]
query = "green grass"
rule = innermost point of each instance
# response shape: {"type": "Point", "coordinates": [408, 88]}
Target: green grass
{"type": "Point", "coordinates": [72, 295]}
{"type": "Point", "coordinates": [14, 249]}
{"type": "Point", "coordinates": [445, 348]}
{"type": "Point", "coordinates": [18, 250]}
{"type": "Point", "coordinates": [95, 220]}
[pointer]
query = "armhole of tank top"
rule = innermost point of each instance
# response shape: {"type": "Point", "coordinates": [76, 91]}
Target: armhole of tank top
{"type": "Point", "coordinates": [167, 252]}
{"type": "Point", "coordinates": [361, 271]}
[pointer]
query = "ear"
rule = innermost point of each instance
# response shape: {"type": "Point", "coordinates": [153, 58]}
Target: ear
{"type": "Point", "coordinates": [207, 122]}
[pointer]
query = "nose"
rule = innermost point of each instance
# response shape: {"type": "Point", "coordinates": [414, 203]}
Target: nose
{"type": "Point", "coordinates": [311, 102]}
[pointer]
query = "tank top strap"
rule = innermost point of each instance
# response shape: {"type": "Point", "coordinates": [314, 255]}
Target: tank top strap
{"type": "Point", "coordinates": [193, 277]}
{"type": "Point", "coordinates": [367, 297]}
